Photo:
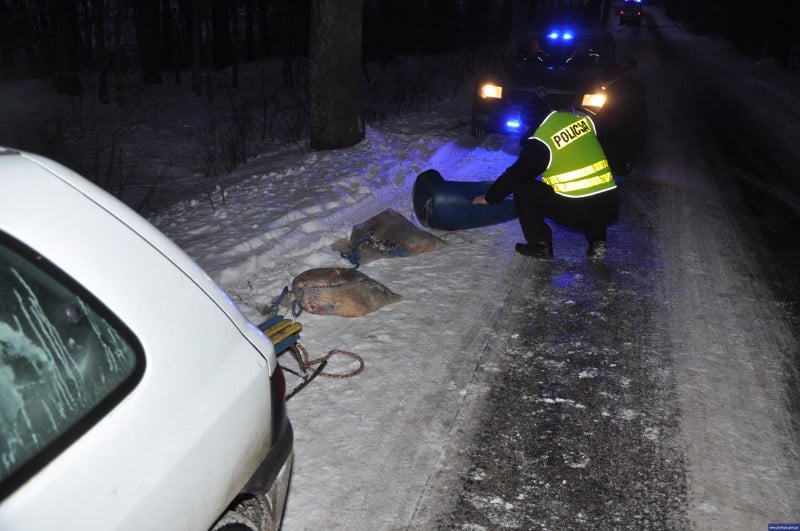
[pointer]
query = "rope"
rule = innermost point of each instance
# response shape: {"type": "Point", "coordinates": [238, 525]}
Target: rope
{"type": "Point", "coordinates": [296, 308]}
{"type": "Point", "coordinates": [308, 364]}
{"type": "Point", "coordinates": [276, 302]}
{"type": "Point", "coordinates": [300, 355]}
{"type": "Point", "coordinates": [354, 256]}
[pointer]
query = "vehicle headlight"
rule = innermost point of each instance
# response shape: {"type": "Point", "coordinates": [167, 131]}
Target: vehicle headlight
{"type": "Point", "coordinates": [489, 90]}
{"type": "Point", "coordinates": [594, 101]}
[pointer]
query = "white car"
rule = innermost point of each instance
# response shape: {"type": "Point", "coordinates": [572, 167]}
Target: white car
{"type": "Point", "coordinates": [133, 392]}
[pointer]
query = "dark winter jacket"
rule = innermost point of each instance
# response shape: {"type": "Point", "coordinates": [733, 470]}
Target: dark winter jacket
{"type": "Point", "coordinates": [532, 161]}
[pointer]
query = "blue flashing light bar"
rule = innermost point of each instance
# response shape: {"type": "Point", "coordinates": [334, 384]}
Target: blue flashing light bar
{"type": "Point", "coordinates": [513, 124]}
{"type": "Point", "coordinates": [565, 35]}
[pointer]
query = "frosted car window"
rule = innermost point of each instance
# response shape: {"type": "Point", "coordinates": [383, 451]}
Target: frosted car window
{"type": "Point", "coordinates": [65, 360]}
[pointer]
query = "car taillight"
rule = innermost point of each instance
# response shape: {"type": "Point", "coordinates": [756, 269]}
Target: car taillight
{"type": "Point", "coordinates": [279, 382]}
{"type": "Point", "coordinates": [277, 385]}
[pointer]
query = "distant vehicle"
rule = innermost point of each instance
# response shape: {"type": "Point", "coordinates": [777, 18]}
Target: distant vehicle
{"type": "Point", "coordinates": [630, 12]}
{"type": "Point", "coordinates": [568, 68]}
{"type": "Point", "coordinates": [133, 392]}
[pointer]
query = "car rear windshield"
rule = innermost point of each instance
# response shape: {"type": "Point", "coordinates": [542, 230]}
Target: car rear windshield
{"type": "Point", "coordinates": [65, 360]}
{"type": "Point", "coordinates": [554, 48]}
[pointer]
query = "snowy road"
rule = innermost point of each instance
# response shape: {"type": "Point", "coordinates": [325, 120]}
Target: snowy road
{"type": "Point", "coordinates": [659, 392]}
{"type": "Point", "coordinates": [735, 348]}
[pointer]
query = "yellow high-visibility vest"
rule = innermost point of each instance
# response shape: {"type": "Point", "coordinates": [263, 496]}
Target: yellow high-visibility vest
{"type": "Point", "coordinates": [578, 165]}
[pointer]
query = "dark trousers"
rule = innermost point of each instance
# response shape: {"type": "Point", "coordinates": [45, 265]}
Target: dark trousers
{"type": "Point", "coordinates": [591, 215]}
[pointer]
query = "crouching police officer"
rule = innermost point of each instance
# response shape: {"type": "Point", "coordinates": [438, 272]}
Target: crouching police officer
{"type": "Point", "coordinates": [561, 174]}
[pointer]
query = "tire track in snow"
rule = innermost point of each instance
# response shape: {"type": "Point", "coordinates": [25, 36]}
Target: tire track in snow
{"type": "Point", "coordinates": [731, 338]}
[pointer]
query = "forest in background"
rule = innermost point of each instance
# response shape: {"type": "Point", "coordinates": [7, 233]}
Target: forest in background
{"type": "Point", "coordinates": [156, 38]}
{"type": "Point", "coordinates": [243, 67]}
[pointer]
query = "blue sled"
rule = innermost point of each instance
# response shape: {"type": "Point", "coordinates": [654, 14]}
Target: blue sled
{"type": "Point", "coordinates": [447, 205]}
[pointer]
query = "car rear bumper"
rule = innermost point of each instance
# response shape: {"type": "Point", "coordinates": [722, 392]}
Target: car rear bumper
{"type": "Point", "coordinates": [272, 475]}
{"type": "Point", "coordinates": [261, 503]}
{"type": "Point", "coordinates": [271, 480]}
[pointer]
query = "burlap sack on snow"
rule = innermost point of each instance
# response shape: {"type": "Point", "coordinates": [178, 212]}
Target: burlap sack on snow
{"type": "Point", "coordinates": [339, 291]}
{"type": "Point", "coordinates": [385, 235]}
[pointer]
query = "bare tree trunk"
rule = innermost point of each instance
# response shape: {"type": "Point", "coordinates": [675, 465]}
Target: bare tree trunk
{"type": "Point", "coordinates": [100, 53]}
{"type": "Point", "coordinates": [196, 50]}
{"type": "Point", "coordinates": [335, 80]}
{"type": "Point", "coordinates": [65, 46]}
{"type": "Point", "coordinates": [263, 30]}
{"type": "Point", "coordinates": [118, 85]}
{"type": "Point", "coordinates": [234, 45]}
{"type": "Point", "coordinates": [148, 32]}
{"type": "Point", "coordinates": [209, 56]}
{"type": "Point", "coordinates": [171, 39]}
{"type": "Point", "coordinates": [249, 31]}
{"type": "Point", "coordinates": [220, 23]}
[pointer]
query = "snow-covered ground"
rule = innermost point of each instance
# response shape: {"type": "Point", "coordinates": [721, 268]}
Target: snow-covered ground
{"type": "Point", "coordinates": [366, 447]}
{"type": "Point", "coordinates": [370, 449]}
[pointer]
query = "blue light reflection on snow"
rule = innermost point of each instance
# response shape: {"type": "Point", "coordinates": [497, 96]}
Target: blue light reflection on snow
{"type": "Point", "coordinates": [564, 279]}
